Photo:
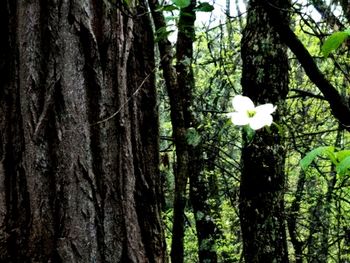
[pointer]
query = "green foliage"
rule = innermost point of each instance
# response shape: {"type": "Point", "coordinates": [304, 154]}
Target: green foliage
{"type": "Point", "coordinates": [319, 179]}
{"type": "Point", "coordinates": [311, 156]}
{"type": "Point", "coordinates": [178, 4]}
{"type": "Point", "coordinates": [343, 166]}
{"type": "Point", "coordinates": [248, 133]}
{"type": "Point", "coordinates": [341, 159]}
{"type": "Point", "coordinates": [182, 3]}
{"type": "Point", "coordinates": [168, 8]}
{"type": "Point", "coordinates": [334, 41]}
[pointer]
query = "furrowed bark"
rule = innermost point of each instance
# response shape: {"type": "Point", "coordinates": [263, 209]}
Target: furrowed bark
{"type": "Point", "coordinates": [73, 182]}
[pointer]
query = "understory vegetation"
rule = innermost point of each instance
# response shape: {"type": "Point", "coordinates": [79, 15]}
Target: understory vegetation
{"type": "Point", "coordinates": [317, 198]}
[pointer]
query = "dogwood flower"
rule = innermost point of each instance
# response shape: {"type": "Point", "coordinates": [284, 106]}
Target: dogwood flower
{"type": "Point", "coordinates": [247, 114]}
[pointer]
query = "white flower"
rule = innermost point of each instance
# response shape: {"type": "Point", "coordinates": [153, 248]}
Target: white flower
{"type": "Point", "coordinates": [247, 114]}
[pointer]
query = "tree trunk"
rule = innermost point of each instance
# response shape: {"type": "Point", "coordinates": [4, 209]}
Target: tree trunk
{"type": "Point", "coordinates": [179, 134]}
{"type": "Point", "coordinates": [79, 180]}
{"type": "Point", "coordinates": [264, 80]}
{"type": "Point", "coordinates": [199, 190]}
{"type": "Point", "coordinates": [292, 219]}
{"type": "Point", "coordinates": [180, 85]}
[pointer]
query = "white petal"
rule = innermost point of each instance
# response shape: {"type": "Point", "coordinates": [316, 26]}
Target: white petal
{"type": "Point", "coordinates": [242, 103]}
{"type": "Point", "coordinates": [238, 118]}
{"type": "Point", "coordinates": [265, 108]}
{"type": "Point", "coordinates": [260, 120]}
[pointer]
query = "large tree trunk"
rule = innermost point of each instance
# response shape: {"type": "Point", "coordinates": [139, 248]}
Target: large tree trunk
{"type": "Point", "coordinates": [75, 188]}
{"type": "Point", "coordinates": [264, 79]}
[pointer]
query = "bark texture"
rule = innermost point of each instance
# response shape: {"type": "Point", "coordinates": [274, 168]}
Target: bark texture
{"type": "Point", "coordinates": [264, 80]}
{"type": "Point", "coordinates": [75, 188]}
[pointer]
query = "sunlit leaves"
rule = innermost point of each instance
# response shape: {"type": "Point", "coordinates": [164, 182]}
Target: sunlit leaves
{"type": "Point", "coordinates": [327, 151]}
{"type": "Point", "coordinates": [341, 159]}
{"type": "Point", "coordinates": [343, 166]}
{"type": "Point", "coordinates": [334, 41]}
{"type": "Point", "coordinates": [169, 8]}
{"type": "Point", "coordinates": [178, 4]}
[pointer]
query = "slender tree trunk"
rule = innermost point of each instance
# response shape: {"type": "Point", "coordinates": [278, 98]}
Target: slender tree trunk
{"type": "Point", "coordinates": [75, 188]}
{"type": "Point", "coordinates": [264, 80]}
{"type": "Point", "coordinates": [189, 165]}
{"type": "Point", "coordinates": [199, 190]}
{"type": "Point", "coordinates": [179, 134]}
{"type": "Point", "coordinates": [293, 217]}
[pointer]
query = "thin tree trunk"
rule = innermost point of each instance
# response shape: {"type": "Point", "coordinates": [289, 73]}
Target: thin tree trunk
{"type": "Point", "coordinates": [293, 216]}
{"type": "Point", "coordinates": [199, 190]}
{"type": "Point", "coordinates": [73, 183]}
{"type": "Point", "coordinates": [180, 85]}
{"type": "Point", "coordinates": [179, 134]}
{"type": "Point", "coordinates": [264, 80]}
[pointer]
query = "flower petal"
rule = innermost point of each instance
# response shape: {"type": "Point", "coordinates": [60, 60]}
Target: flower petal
{"type": "Point", "coordinates": [260, 120]}
{"type": "Point", "coordinates": [238, 118]}
{"type": "Point", "coordinates": [242, 103]}
{"type": "Point", "coordinates": [267, 108]}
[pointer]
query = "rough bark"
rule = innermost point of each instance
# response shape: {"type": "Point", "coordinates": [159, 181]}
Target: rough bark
{"type": "Point", "coordinates": [75, 189]}
{"type": "Point", "coordinates": [264, 79]}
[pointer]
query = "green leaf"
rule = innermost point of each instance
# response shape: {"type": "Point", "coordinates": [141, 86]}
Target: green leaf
{"type": "Point", "coordinates": [333, 42]}
{"type": "Point", "coordinates": [204, 7]}
{"type": "Point", "coordinates": [249, 134]}
{"type": "Point", "coordinates": [311, 156]}
{"type": "Point", "coordinates": [192, 136]}
{"type": "Point", "coordinates": [169, 8]}
{"type": "Point", "coordinates": [182, 3]}
{"type": "Point", "coordinates": [344, 166]}
{"type": "Point", "coordinates": [341, 155]}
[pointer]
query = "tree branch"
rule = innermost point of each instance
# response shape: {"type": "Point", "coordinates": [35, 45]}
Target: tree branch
{"type": "Point", "coordinates": [339, 106]}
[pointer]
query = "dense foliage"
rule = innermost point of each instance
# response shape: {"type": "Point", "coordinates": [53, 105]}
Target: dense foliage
{"type": "Point", "coordinates": [317, 200]}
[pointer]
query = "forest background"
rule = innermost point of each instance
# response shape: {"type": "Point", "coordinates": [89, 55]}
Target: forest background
{"type": "Point", "coordinates": [315, 199]}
